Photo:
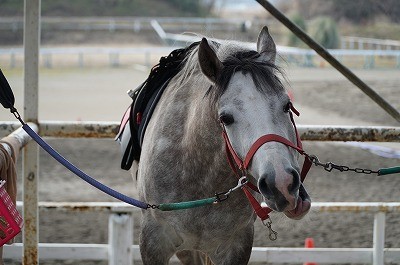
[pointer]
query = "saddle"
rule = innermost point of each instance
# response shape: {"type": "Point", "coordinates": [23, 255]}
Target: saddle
{"type": "Point", "coordinates": [144, 100]}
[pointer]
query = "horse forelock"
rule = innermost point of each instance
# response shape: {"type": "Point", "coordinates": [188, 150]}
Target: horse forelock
{"type": "Point", "coordinates": [235, 57]}
{"type": "Point", "coordinates": [238, 58]}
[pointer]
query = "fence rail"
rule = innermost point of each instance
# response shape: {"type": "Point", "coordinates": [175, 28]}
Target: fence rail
{"type": "Point", "coordinates": [135, 24]}
{"type": "Point", "coordinates": [13, 56]}
{"type": "Point", "coordinates": [71, 129]}
{"type": "Point", "coordinates": [349, 42]}
{"type": "Point", "coordinates": [121, 225]}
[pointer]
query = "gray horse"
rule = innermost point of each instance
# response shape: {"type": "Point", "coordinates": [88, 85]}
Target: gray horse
{"type": "Point", "coordinates": [221, 87]}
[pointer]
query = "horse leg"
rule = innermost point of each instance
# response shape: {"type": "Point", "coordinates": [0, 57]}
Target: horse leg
{"type": "Point", "coordinates": [157, 243]}
{"type": "Point", "coordinates": [193, 257]}
{"type": "Point", "coordinates": [235, 251]}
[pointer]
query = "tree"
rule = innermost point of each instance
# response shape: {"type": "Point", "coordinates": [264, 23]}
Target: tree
{"type": "Point", "coordinates": [357, 11]}
{"type": "Point", "coordinates": [390, 8]}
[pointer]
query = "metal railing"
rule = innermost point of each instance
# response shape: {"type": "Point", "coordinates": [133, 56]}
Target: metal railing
{"type": "Point", "coordinates": [83, 129]}
{"type": "Point", "coordinates": [120, 234]}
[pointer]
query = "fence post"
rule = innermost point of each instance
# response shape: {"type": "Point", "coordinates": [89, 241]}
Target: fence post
{"type": "Point", "coordinates": [80, 60]}
{"type": "Point", "coordinates": [47, 58]}
{"type": "Point", "coordinates": [120, 237]}
{"type": "Point", "coordinates": [12, 60]}
{"type": "Point", "coordinates": [30, 167]}
{"type": "Point", "coordinates": [379, 239]}
{"type": "Point", "coordinates": [147, 59]}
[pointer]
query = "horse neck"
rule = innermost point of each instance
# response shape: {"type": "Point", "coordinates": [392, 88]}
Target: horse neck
{"type": "Point", "coordinates": [202, 130]}
{"type": "Point", "coordinates": [202, 138]}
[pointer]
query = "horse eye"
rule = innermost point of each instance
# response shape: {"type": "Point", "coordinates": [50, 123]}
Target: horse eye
{"type": "Point", "coordinates": [226, 119]}
{"type": "Point", "coordinates": [287, 107]}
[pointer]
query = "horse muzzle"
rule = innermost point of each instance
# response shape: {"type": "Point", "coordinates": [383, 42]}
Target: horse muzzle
{"type": "Point", "coordinates": [303, 205]}
{"type": "Point", "coordinates": [285, 193]}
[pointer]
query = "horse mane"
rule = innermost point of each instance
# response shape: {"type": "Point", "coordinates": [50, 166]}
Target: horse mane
{"type": "Point", "coordinates": [235, 57]}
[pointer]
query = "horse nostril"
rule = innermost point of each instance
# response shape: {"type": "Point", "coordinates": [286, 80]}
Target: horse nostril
{"type": "Point", "coordinates": [268, 189]}
{"type": "Point", "coordinates": [295, 185]}
{"type": "Point", "coordinates": [264, 188]}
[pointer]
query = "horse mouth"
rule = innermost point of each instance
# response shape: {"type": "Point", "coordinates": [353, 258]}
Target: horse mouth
{"type": "Point", "coordinates": [303, 205]}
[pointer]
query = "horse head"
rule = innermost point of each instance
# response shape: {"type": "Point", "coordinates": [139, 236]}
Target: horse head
{"type": "Point", "coordinates": [251, 101]}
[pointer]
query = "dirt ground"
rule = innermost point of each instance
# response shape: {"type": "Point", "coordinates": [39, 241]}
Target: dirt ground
{"type": "Point", "coordinates": [321, 95]}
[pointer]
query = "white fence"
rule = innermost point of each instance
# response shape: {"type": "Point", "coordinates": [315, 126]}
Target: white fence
{"type": "Point", "coordinates": [356, 51]}
{"type": "Point", "coordinates": [81, 56]}
{"type": "Point", "coordinates": [112, 56]}
{"type": "Point", "coordinates": [120, 235]}
{"type": "Point", "coordinates": [135, 24]}
{"type": "Point", "coordinates": [348, 42]}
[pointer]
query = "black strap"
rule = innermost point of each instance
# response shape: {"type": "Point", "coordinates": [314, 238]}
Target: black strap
{"type": "Point", "coordinates": [148, 112]}
{"type": "Point", "coordinates": [145, 98]}
{"type": "Point", "coordinates": [128, 157]}
{"type": "Point", "coordinates": [6, 95]}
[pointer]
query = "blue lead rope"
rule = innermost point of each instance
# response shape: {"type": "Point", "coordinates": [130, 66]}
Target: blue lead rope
{"type": "Point", "coordinates": [7, 99]}
{"type": "Point", "coordinates": [80, 173]}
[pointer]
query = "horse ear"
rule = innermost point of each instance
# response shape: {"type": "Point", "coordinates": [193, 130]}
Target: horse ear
{"type": "Point", "coordinates": [209, 63]}
{"type": "Point", "coordinates": [266, 45]}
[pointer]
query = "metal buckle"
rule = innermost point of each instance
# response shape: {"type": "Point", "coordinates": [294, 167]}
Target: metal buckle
{"type": "Point", "coordinates": [222, 196]}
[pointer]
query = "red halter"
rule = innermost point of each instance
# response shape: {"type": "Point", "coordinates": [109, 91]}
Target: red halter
{"type": "Point", "coordinates": [242, 165]}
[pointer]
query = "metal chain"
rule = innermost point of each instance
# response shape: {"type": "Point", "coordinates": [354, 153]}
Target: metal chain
{"type": "Point", "coordinates": [329, 166]}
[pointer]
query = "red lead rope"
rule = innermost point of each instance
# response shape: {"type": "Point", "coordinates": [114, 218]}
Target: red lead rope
{"type": "Point", "coordinates": [263, 212]}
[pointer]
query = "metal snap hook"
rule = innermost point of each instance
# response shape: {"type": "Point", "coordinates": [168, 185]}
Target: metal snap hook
{"type": "Point", "coordinates": [273, 235]}
{"type": "Point", "coordinates": [222, 196]}
{"type": "Point", "coordinates": [241, 182]}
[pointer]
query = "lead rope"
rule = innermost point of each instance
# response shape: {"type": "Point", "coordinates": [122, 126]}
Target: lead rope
{"type": "Point", "coordinates": [219, 197]}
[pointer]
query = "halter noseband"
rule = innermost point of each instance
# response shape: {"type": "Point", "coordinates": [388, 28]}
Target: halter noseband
{"type": "Point", "coordinates": [242, 165]}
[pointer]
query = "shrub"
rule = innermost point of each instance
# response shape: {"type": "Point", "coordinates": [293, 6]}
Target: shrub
{"type": "Point", "coordinates": [324, 31]}
{"type": "Point", "coordinates": [293, 40]}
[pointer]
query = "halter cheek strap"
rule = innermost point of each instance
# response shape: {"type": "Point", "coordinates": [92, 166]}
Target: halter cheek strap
{"type": "Point", "coordinates": [242, 165]}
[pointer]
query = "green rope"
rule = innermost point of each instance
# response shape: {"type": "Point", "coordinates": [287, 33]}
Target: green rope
{"type": "Point", "coordinates": [389, 170]}
{"type": "Point", "coordinates": [202, 202]}
{"type": "Point", "coordinates": [186, 205]}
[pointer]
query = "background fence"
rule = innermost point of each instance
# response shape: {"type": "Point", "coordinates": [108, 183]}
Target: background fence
{"type": "Point", "coordinates": [136, 24]}
{"type": "Point", "coordinates": [120, 231]}
{"type": "Point", "coordinates": [355, 52]}
{"type": "Point", "coordinates": [117, 56]}
{"type": "Point", "coordinates": [120, 234]}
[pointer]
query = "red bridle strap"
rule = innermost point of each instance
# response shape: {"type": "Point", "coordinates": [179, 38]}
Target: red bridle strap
{"type": "Point", "coordinates": [231, 151]}
{"type": "Point", "coordinates": [265, 139]}
{"type": "Point", "coordinates": [263, 212]}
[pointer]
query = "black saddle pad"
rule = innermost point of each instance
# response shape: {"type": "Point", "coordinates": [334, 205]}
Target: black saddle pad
{"type": "Point", "coordinates": [145, 99]}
